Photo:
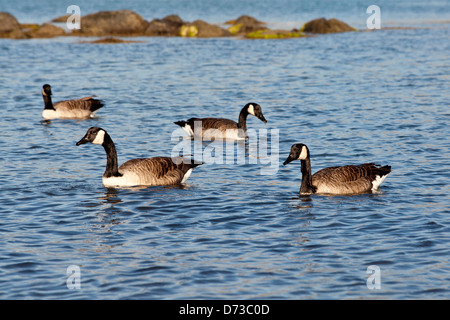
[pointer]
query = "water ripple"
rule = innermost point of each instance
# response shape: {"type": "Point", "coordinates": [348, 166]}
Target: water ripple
{"type": "Point", "coordinates": [229, 232]}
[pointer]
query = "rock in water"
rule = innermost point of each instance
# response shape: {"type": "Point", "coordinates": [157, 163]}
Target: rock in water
{"type": "Point", "coordinates": [322, 25]}
{"type": "Point", "coordinates": [107, 23]}
{"type": "Point", "coordinates": [168, 26]}
{"type": "Point", "coordinates": [245, 24]}
{"type": "Point", "coordinates": [10, 27]}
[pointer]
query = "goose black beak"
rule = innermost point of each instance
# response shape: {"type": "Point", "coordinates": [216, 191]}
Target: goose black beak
{"type": "Point", "coordinates": [261, 117]}
{"type": "Point", "coordinates": [289, 159]}
{"type": "Point", "coordinates": [82, 141]}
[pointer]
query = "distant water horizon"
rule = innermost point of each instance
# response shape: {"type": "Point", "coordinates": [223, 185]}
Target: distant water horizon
{"type": "Point", "coordinates": [285, 12]}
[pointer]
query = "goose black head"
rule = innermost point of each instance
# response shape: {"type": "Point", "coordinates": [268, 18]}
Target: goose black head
{"type": "Point", "coordinates": [255, 110]}
{"type": "Point", "coordinates": [46, 90]}
{"type": "Point", "coordinates": [299, 151]}
{"type": "Point", "coordinates": [94, 135]}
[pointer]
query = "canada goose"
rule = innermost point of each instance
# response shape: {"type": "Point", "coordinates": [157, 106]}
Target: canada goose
{"type": "Point", "coordinates": [155, 171]}
{"type": "Point", "coordinates": [350, 179]}
{"type": "Point", "coordinates": [219, 128]}
{"type": "Point", "coordinates": [69, 109]}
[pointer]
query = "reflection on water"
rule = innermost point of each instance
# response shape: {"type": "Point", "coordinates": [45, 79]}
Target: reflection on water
{"type": "Point", "coordinates": [111, 196]}
{"type": "Point", "coordinates": [304, 202]}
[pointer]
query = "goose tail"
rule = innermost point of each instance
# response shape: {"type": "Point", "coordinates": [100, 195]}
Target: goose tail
{"type": "Point", "coordinates": [180, 123]}
{"type": "Point", "coordinates": [96, 104]}
{"type": "Point", "coordinates": [380, 174]}
{"type": "Point", "coordinates": [382, 171]}
{"type": "Point", "coordinates": [186, 127]}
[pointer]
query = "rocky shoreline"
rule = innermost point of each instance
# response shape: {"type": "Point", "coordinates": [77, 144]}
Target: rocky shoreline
{"type": "Point", "coordinates": [127, 23]}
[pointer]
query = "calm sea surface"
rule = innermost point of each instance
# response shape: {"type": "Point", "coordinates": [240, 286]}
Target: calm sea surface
{"type": "Point", "coordinates": [233, 231]}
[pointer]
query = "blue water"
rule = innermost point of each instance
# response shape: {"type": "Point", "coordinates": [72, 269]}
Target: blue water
{"type": "Point", "coordinates": [230, 232]}
{"type": "Point", "coordinates": [351, 11]}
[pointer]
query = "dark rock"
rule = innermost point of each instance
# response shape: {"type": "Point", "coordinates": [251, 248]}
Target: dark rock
{"type": "Point", "coordinates": [206, 30]}
{"type": "Point", "coordinates": [10, 27]}
{"type": "Point", "coordinates": [106, 23]}
{"type": "Point", "coordinates": [173, 18]}
{"type": "Point", "coordinates": [8, 22]}
{"type": "Point", "coordinates": [249, 21]}
{"type": "Point", "coordinates": [62, 19]}
{"type": "Point", "coordinates": [47, 30]}
{"type": "Point", "coordinates": [245, 24]}
{"type": "Point", "coordinates": [168, 26]}
{"type": "Point", "coordinates": [323, 25]}
{"type": "Point", "coordinates": [110, 40]}
{"type": "Point", "coordinates": [202, 29]}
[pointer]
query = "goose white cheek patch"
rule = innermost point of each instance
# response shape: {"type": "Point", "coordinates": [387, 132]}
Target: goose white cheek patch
{"type": "Point", "coordinates": [100, 138]}
{"type": "Point", "coordinates": [303, 154]}
{"type": "Point", "coordinates": [251, 109]}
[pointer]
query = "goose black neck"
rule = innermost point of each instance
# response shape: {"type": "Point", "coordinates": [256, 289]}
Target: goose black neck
{"type": "Point", "coordinates": [112, 168]}
{"type": "Point", "coordinates": [242, 122]}
{"type": "Point", "coordinates": [306, 186]}
{"type": "Point", "coordinates": [48, 102]}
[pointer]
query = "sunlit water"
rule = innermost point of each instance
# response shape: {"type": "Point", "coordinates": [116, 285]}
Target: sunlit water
{"type": "Point", "coordinates": [230, 232]}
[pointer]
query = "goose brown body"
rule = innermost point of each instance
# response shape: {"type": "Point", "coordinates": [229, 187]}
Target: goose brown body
{"type": "Point", "coordinates": [215, 128]}
{"type": "Point", "coordinates": [156, 171]}
{"type": "Point", "coordinates": [220, 128]}
{"type": "Point", "coordinates": [82, 108]}
{"type": "Point", "coordinates": [347, 179]}
{"type": "Point", "coordinates": [164, 171]}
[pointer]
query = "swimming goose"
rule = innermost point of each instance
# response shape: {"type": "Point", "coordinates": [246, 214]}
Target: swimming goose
{"type": "Point", "coordinates": [156, 171]}
{"type": "Point", "coordinates": [349, 179]}
{"type": "Point", "coordinates": [83, 108]}
{"type": "Point", "coordinates": [219, 128]}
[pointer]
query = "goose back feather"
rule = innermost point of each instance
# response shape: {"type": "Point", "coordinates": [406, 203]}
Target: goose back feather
{"type": "Point", "coordinates": [220, 128]}
{"type": "Point", "coordinates": [347, 179]}
{"type": "Point", "coordinates": [350, 178]}
{"type": "Point", "coordinates": [212, 128]}
{"type": "Point", "coordinates": [156, 171]}
{"type": "Point", "coordinates": [82, 108]}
